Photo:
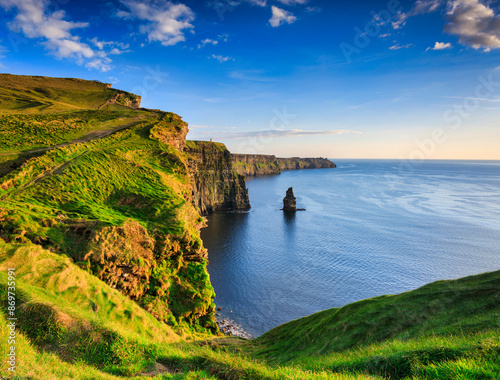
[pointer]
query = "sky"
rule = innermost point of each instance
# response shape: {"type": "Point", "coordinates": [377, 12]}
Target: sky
{"type": "Point", "coordinates": [410, 80]}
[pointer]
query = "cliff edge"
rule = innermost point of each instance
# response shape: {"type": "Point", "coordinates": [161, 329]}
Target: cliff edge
{"type": "Point", "coordinates": [216, 185]}
{"type": "Point", "coordinates": [250, 165]}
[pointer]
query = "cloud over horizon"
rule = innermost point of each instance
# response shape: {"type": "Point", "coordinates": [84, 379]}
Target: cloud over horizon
{"type": "Point", "coordinates": [279, 133]}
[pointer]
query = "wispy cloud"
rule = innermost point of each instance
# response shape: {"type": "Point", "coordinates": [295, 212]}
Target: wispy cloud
{"type": "Point", "coordinates": [492, 100]}
{"type": "Point", "coordinates": [440, 46]}
{"type": "Point", "coordinates": [251, 75]}
{"type": "Point", "coordinates": [214, 41]}
{"type": "Point", "coordinates": [35, 21]}
{"type": "Point", "coordinates": [2, 51]}
{"type": "Point", "coordinates": [398, 46]}
{"type": "Point", "coordinates": [419, 8]}
{"type": "Point", "coordinates": [164, 21]}
{"type": "Point", "coordinates": [283, 133]}
{"type": "Point", "coordinates": [313, 9]}
{"type": "Point", "coordinates": [207, 41]}
{"type": "Point", "coordinates": [474, 23]}
{"type": "Point", "coordinates": [280, 17]}
{"type": "Point", "coordinates": [221, 58]}
{"type": "Point", "coordinates": [229, 4]}
{"type": "Point", "coordinates": [293, 2]}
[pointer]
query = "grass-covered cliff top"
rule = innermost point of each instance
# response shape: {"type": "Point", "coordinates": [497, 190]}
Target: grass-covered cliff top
{"type": "Point", "coordinates": [97, 219]}
{"type": "Point", "coordinates": [37, 94]}
{"type": "Point", "coordinates": [259, 164]}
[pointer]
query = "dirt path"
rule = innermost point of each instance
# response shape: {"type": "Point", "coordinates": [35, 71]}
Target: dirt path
{"type": "Point", "coordinates": [93, 135]}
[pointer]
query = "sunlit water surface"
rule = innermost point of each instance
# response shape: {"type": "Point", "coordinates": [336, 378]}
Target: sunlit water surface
{"type": "Point", "coordinates": [371, 228]}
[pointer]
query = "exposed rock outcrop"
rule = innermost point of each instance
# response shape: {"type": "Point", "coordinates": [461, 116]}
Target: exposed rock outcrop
{"type": "Point", "coordinates": [289, 202]}
{"type": "Point", "coordinates": [170, 129]}
{"type": "Point", "coordinates": [216, 186]}
{"type": "Point", "coordinates": [126, 99]}
{"type": "Point", "coordinates": [257, 164]}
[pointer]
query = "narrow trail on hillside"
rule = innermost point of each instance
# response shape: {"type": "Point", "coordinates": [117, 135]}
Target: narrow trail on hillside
{"type": "Point", "coordinates": [92, 136]}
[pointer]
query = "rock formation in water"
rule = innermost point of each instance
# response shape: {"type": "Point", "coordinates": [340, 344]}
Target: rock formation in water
{"type": "Point", "coordinates": [289, 202]}
{"type": "Point", "coordinates": [258, 164]}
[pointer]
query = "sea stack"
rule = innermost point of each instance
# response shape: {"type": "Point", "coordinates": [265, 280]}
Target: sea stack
{"type": "Point", "coordinates": [289, 202]}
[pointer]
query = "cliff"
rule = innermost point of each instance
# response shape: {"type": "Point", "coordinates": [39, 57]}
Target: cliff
{"type": "Point", "coordinates": [104, 273]}
{"type": "Point", "coordinates": [216, 186]}
{"type": "Point", "coordinates": [256, 164]}
{"type": "Point", "coordinates": [109, 188]}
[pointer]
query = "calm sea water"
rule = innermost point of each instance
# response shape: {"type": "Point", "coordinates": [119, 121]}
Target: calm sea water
{"type": "Point", "coordinates": [371, 228]}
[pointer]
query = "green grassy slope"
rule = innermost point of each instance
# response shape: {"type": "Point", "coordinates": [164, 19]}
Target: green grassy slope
{"type": "Point", "coordinates": [97, 218]}
{"type": "Point", "coordinates": [119, 206]}
{"type": "Point", "coordinates": [444, 330]}
{"type": "Point", "coordinates": [468, 305]}
{"type": "Point", "coordinates": [34, 94]}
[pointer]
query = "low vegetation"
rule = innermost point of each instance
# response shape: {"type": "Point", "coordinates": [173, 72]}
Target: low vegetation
{"type": "Point", "coordinates": [97, 218]}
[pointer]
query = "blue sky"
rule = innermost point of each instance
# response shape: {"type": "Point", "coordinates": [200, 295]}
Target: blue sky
{"type": "Point", "coordinates": [367, 79]}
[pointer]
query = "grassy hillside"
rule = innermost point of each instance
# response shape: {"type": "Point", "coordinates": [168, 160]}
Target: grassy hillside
{"type": "Point", "coordinates": [75, 326]}
{"type": "Point", "coordinates": [35, 94]}
{"type": "Point", "coordinates": [97, 217]}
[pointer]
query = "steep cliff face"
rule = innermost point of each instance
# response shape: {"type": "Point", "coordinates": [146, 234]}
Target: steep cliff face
{"type": "Point", "coordinates": [257, 164]}
{"type": "Point", "coordinates": [216, 186]}
{"type": "Point", "coordinates": [119, 204]}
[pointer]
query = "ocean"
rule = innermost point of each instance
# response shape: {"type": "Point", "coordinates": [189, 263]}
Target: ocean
{"type": "Point", "coordinates": [371, 227]}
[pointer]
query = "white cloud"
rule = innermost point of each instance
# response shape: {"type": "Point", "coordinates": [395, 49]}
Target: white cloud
{"type": "Point", "coordinates": [280, 16]}
{"type": "Point", "coordinates": [474, 23]}
{"type": "Point", "coordinates": [101, 64]}
{"type": "Point", "coordinates": [235, 3]}
{"type": "Point", "coordinates": [221, 58]}
{"type": "Point", "coordinates": [34, 20]}
{"type": "Point", "coordinates": [285, 133]}
{"type": "Point", "coordinates": [398, 46]}
{"type": "Point", "coordinates": [101, 45]}
{"type": "Point", "coordinates": [209, 41]}
{"type": "Point", "coordinates": [165, 21]}
{"type": "Point", "coordinates": [293, 2]}
{"type": "Point", "coordinates": [440, 46]}
{"type": "Point", "coordinates": [419, 8]}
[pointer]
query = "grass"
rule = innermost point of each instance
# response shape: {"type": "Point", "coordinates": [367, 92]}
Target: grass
{"type": "Point", "coordinates": [463, 306]}
{"type": "Point", "coordinates": [27, 132]}
{"type": "Point", "coordinates": [118, 206]}
{"type": "Point", "coordinates": [34, 94]}
{"type": "Point", "coordinates": [72, 317]}
{"type": "Point", "coordinates": [97, 217]}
